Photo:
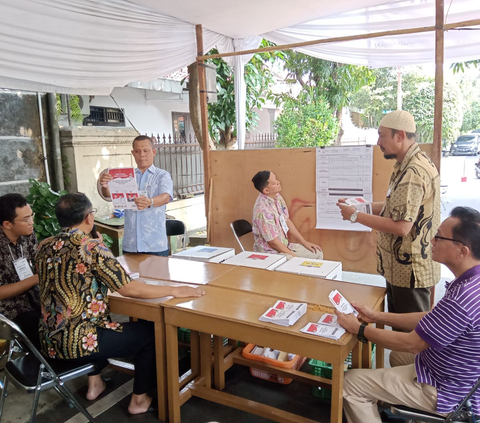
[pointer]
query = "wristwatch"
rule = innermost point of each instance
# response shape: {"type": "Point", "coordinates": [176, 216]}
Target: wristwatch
{"type": "Point", "coordinates": [353, 217]}
{"type": "Point", "coordinates": [360, 335]}
{"type": "Point", "coordinates": [151, 204]}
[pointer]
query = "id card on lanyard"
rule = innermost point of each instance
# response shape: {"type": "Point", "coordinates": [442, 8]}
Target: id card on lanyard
{"type": "Point", "coordinates": [22, 267]}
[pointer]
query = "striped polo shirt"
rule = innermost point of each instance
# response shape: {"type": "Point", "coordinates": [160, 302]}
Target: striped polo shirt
{"type": "Point", "coordinates": [452, 330]}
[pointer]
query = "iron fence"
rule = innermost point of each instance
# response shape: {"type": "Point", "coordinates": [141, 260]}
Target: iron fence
{"type": "Point", "coordinates": [183, 159]}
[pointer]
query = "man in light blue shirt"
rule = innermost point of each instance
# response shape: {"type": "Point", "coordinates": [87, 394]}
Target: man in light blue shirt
{"type": "Point", "coordinates": [145, 229]}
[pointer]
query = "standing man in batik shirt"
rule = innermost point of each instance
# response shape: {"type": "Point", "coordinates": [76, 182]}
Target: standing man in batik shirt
{"type": "Point", "coordinates": [145, 230]}
{"type": "Point", "coordinates": [19, 295]}
{"type": "Point", "coordinates": [271, 222]}
{"type": "Point", "coordinates": [75, 273]}
{"type": "Point", "coordinates": [407, 220]}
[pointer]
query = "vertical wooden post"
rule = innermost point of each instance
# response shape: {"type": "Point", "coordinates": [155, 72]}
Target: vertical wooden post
{"type": "Point", "coordinates": [202, 83]}
{"type": "Point", "coordinates": [439, 54]}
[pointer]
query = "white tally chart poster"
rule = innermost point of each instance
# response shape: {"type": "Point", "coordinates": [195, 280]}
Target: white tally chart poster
{"type": "Point", "coordinates": [342, 172]}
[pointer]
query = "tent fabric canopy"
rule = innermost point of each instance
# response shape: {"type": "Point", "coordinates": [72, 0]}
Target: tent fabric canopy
{"type": "Point", "coordinates": [93, 46]}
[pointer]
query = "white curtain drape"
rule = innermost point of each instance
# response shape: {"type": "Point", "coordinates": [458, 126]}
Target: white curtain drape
{"type": "Point", "coordinates": [90, 47]}
{"type": "Point", "coordinates": [403, 50]}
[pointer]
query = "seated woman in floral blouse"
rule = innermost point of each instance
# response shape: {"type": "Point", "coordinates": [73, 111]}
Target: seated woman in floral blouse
{"type": "Point", "coordinates": [75, 273]}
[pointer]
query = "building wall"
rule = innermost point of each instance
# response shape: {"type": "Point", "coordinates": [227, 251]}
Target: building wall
{"type": "Point", "coordinates": [149, 111]}
{"type": "Point", "coordinates": [21, 154]}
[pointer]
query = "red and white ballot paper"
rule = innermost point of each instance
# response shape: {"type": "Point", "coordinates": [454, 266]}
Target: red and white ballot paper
{"type": "Point", "coordinates": [284, 313]}
{"type": "Point", "coordinates": [341, 303]}
{"type": "Point", "coordinates": [123, 188]}
{"type": "Point", "coordinates": [327, 326]}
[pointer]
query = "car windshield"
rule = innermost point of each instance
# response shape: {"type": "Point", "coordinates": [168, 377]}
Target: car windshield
{"type": "Point", "coordinates": [466, 139]}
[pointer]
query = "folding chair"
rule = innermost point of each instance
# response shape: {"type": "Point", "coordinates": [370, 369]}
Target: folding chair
{"type": "Point", "coordinates": [462, 413]}
{"type": "Point", "coordinates": [240, 228]}
{"type": "Point", "coordinates": [33, 373]}
{"type": "Point", "coordinates": [174, 228]}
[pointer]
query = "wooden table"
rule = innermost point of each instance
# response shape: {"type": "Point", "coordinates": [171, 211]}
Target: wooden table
{"type": "Point", "coordinates": [171, 271]}
{"type": "Point", "coordinates": [234, 314]}
{"type": "Point", "coordinates": [253, 291]}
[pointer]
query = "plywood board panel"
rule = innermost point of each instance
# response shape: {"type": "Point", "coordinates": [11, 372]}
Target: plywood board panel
{"type": "Point", "coordinates": [234, 196]}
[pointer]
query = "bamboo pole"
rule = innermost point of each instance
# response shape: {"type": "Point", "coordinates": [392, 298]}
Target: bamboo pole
{"type": "Point", "coordinates": [439, 57]}
{"type": "Point", "coordinates": [204, 119]}
{"type": "Point", "coordinates": [462, 24]}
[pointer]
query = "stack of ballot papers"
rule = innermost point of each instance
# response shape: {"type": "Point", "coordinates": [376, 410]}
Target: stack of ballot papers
{"type": "Point", "coordinates": [362, 205]}
{"type": "Point", "coordinates": [284, 313]}
{"type": "Point", "coordinates": [326, 331]}
{"type": "Point", "coordinates": [341, 303]}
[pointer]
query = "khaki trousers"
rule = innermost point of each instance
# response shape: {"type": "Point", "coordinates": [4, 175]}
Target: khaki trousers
{"type": "Point", "coordinates": [301, 251]}
{"type": "Point", "coordinates": [398, 385]}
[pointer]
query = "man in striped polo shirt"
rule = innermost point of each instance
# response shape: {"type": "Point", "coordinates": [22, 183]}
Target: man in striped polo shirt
{"type": "Point", "coordinates": [437, 360]}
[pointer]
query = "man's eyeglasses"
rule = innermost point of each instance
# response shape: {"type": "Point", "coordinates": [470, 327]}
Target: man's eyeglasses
{"type": "Point", "coordinates": [437, 237]}
{"type": "Point", "coordinates": [27, 219]}
{"type": "Point", "coordinates": [93, 211]}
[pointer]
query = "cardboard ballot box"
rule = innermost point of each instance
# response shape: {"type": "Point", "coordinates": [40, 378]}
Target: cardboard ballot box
{"type": "Point", "coordinates": [310, 267]}
{"type": "Point", "coordinates": [258, 260]}
{"type": "Point", "coordinates": [206, 253]}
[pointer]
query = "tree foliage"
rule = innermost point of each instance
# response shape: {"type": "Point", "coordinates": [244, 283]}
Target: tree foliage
{"type": "Point", "coordinates": [258, 80]}
{"type": "Point", "coordinates": [418, 99]}
{"type": "Point", "coordinates": [307, 121]}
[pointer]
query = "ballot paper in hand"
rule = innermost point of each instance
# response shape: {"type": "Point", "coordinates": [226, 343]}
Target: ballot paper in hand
{"type": "Point", "coordinates": [123, 188]}
{"type": "Point", "coordinates": [284, 313]}
{"type": "Point", "coordinates": [326, 331]}
{"type": "Point", "coordinates": [362, 205]}
{"type": "Point", "coordinates": [341, 303]}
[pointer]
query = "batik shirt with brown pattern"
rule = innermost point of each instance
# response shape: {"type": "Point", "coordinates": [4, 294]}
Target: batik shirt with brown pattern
{"type": "Point", "coordinates": [75, 274]}
{"type": "Point", "coordinates": [413, 196]}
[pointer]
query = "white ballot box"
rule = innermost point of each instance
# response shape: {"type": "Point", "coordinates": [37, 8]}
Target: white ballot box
{"type": "Point", "coordinates": [258, 260]}
{"type": "Point", "coordinates": [310, 267]}
{"type": "Point", "coordinates": [206, 253]}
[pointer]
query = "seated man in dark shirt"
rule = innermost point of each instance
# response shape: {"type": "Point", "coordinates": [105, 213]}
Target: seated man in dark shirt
{"type": "Point", "coordinates": [76, 272]}
{"type": "Point", "coordinates": [19, 296]}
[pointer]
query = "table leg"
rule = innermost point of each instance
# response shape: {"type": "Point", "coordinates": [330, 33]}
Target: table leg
{"type": "Point", "coordinates": [218, 363]}
{"type": "Point", "coordinates": [195, 352]}
{"type": "Point", "coordinates": [379, 352]}
{"type": "Point", "coordinates": [206, 358]}
{"type": "Point", "coordinates": [337, 393]}
{"type": "Point", "coordinates": [172, 374]}
{"type": "Point", "coordinates": [357, 356]}
{"type": "Point", "coordinates": [367, 356]}
{"type": "Point", "coordinates": [161, 371]}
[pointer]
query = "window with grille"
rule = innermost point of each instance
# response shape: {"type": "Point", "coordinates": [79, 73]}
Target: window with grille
{"type": "Point", "coordinates": [104, 116]}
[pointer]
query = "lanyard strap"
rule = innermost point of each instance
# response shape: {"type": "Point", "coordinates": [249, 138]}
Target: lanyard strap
{"type": "Point", "coordinates": [11, 254]}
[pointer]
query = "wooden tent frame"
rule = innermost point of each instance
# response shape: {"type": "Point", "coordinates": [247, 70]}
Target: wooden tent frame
{"type": "Point", "coordinates": [439, 28]}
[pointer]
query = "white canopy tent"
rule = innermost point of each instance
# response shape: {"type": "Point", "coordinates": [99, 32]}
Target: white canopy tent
{"type": "Point", "coordinates": [92, 46]}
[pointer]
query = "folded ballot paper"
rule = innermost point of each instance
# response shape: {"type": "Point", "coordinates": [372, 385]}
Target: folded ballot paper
{"type": "Point", "coordinates": [362, 205]}
{"type": "Point", "coordinates": [326, 331]}
{"type": "Point", "coordinates": [341, 303]}
{"type": "Point", "coordinates": [284, 313]}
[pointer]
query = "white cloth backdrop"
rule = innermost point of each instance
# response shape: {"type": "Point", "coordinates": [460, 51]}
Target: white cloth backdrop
{"type": "Point", "coordinates": [92, 46]}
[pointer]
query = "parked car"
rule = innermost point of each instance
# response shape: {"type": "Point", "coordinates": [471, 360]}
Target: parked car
{"type": "Point", "coordinates": [466, 144]}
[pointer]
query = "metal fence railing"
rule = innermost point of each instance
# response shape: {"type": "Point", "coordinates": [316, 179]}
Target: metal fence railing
{"type": "Point", "coordinates": [183, 159]}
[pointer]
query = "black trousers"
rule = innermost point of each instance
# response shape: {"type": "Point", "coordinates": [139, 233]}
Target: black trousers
{"type": "Point", "coordinates": [137, 341]}
{"type": "Point", "coordinates": [28, 322]}
{"type": "Point", "coordinates": [407, 300]}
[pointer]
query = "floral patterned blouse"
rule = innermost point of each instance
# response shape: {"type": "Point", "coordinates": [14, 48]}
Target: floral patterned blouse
{"type": "Point", "coordinates": [75, 274]}
{"type": "Point", "coordinates": [266, 225]}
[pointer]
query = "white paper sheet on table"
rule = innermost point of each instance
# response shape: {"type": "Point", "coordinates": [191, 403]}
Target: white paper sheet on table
{"type": "Point", "coordinates": [342, 172]}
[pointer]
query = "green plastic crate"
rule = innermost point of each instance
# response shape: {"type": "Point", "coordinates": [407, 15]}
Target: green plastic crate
{"type": "Point", "coordinates": [322, 369]}
{"type": "Point", "coordinates": [184, 336]}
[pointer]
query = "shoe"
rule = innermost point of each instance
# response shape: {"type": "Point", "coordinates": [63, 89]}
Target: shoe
{"type": "Point", "coordinates": [152, 409]}
{"type": "Point", "coordinates": [388, 417]}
